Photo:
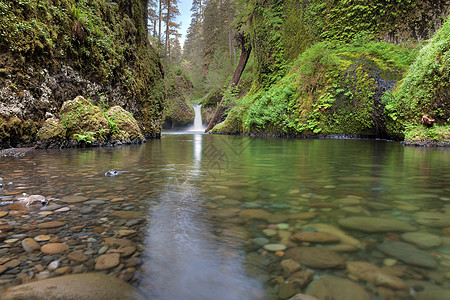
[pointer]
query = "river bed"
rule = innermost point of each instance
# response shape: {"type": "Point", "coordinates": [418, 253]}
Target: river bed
{"type": "Point", "coordinates": [233, 217]}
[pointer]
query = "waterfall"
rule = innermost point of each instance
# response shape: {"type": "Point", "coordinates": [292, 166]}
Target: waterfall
{"type": "Point", "coordinates": [198, 125]}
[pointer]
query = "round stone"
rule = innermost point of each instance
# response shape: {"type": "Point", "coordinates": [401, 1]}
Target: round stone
{"type": "Point", "coordinates": [77, 256]}
{"type": "Point", "coordinates": [269, 232]}
{"type": "Point", "coordinates": [3, 213]}
{"type": "Point", "coordinates": [74, 199]}
{"type": "Point", "coordinates": [42, 238]}
{"type": "Point", "coordinates": [274, 247]}
{"type": "Point", "coordinates": [30, 245]}
{"type": "Point", "coordinates": [283, 226]}
{"type": "Point", "coordinates": [260, 241]}
{"type": "Point", "coordinates": [107, 261]}
{"type": "Point", "coordinates": [54, 248]}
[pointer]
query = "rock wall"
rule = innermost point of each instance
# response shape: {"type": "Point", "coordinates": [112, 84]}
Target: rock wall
{"type": "Point", "coordinates": [54, 50]}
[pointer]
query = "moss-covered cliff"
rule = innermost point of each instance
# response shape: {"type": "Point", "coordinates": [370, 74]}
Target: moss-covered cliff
{"type": "Point", "coordinates": [328, 67]}
{"type": "Point", "coordinates": [54, 50]}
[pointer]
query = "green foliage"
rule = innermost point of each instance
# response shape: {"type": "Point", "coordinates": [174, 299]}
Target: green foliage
{"type": "Point", "coordinates": [87, 137]}
{"type": "Point", "coordinates": [105, 40]}
{"type": "Point", "coordinates": [330, 89]}
{"type": "Point", "coordinates": [419, 134]}
{"type": "Point", "coordinates": [426, 88]}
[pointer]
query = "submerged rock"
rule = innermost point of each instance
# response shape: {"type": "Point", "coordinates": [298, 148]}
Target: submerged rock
{"type": "Point", "coordinates": [373, 224]}
{"type": "Point", "coordinates": [70, 287]}
{"type": "Point", "coordinates": [422, 239]}
{"type": "Point", "coordinates": [432, 219]}
{"type": "Point", "coordinates": [336, 288]}
{"type": "Point", "coordinates": [316, 257]}
{"type": "Point", "coordinates": [371, 273]}
{"type": "Point", "coordinates": [408, 254]}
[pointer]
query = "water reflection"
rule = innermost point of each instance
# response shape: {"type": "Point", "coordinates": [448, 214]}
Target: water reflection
{"type": "Point", "coordinates": [185, 257]}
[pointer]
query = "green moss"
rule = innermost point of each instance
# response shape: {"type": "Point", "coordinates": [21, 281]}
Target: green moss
{"type": "Point", "coordinates": [79, 117]}
{"type": "Point", "coordinates": [52, 129]}
{"type": "Point", "coordinates": [420, 135]}
{"type": "Point", "coordinates": [13, 128]}
{"type": "Point", "coordinates": [122, 124]}
{"type": "Point", "coordinates": [329, 90]}
{"type": "Point", "coordinates": [105, 41]}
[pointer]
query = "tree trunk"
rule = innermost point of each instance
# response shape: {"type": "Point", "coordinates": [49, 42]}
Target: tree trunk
{"type": "Point", "coordinates": [167, 30]}
{"type": "Point", "coordinates": [245, 54]}
{"type": "Point", "coordinates": [159, 21]}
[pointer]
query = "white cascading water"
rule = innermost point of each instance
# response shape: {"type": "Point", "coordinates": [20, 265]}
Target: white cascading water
{"type": "Point", "coordinates": [198, 125]}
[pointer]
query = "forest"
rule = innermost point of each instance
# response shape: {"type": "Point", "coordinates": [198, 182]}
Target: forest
{"type": "Point", "coordinates": [271, 68]}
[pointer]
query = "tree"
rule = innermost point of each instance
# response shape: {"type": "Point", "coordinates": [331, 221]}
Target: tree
{"type": "Point", "coordinates": [172, 27]}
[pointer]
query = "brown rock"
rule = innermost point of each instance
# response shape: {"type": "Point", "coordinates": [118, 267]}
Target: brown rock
{"type": "Point", "coordinates": [30, 245]}
{"type": "Point", "coordinates": [316, 257]}
{"type": "Point", "coordinates": [48, 225]}
{"type": "Point", "coordinates": [336, 288]}
{"type": "Point", "coordinates": [112, 241]}
{"type": "Point", "coordinates": [107, 261]}
{"type": "Point", "coordinates": [74, 199]}
{"type": "Point", "coordinates": [3, 213]}
{"type": "Point", "coordinates": [77, 256]}
{"type": "Point", "coordinates": [303, 297]}
{"type": "Point", "coordinates": [126, 232]}
{"type": "Point", "coordinates": [12, 263]}
{"type": "Point", "coordinates": [344, 237]}
{"type": "Point", "coordinates": [85, 286]}
{"type": "Point", "coordinates": [3, 268]}
{"type": "Point", "coordinates": [287, 289]}
{"type": "Point", "coordinates": [255, 213]}
{"type": "Point", "coordinates": [54, 248]}
{"type": "Point", "coordinates": [315, 237]}
{"type": "Point", "coordinates": [63, 270]}
{"type": "Point", "coordinates": [373, 274]}
{"type": "Point", "coordinates": [126, 214]}
{"type": "Point", "coordinates": [290, 265]}
{"type": "Point", "coordinates": [302, 278]}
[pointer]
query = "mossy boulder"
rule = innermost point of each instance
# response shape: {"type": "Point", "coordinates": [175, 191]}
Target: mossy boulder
{"type": "Point", "coordinates": [83, 124]}
{"type": "Point", "coordinates": [123, 124]}
{"type": "Point", "coordinates": [52, 129]}
{"type": "Point", "coordinates": [83, 120]}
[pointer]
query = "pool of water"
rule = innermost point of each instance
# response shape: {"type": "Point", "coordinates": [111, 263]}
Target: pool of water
{"type": "Point", "coordinates": [214, 204]}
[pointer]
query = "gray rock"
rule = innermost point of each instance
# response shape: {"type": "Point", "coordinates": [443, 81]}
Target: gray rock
{"type": "Point", "coordinates": [73, 199]}
{"type": "Point", "coordinates": [408, 254]}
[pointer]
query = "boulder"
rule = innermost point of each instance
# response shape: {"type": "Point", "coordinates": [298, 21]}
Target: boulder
{"type": "Point", "coordinates": [83, 120]}
{"type": "Point", "coordinates": [123, 124]}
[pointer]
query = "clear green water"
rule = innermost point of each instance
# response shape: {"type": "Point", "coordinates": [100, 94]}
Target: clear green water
{"type": "Point", "coordinates": [195, 187]}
